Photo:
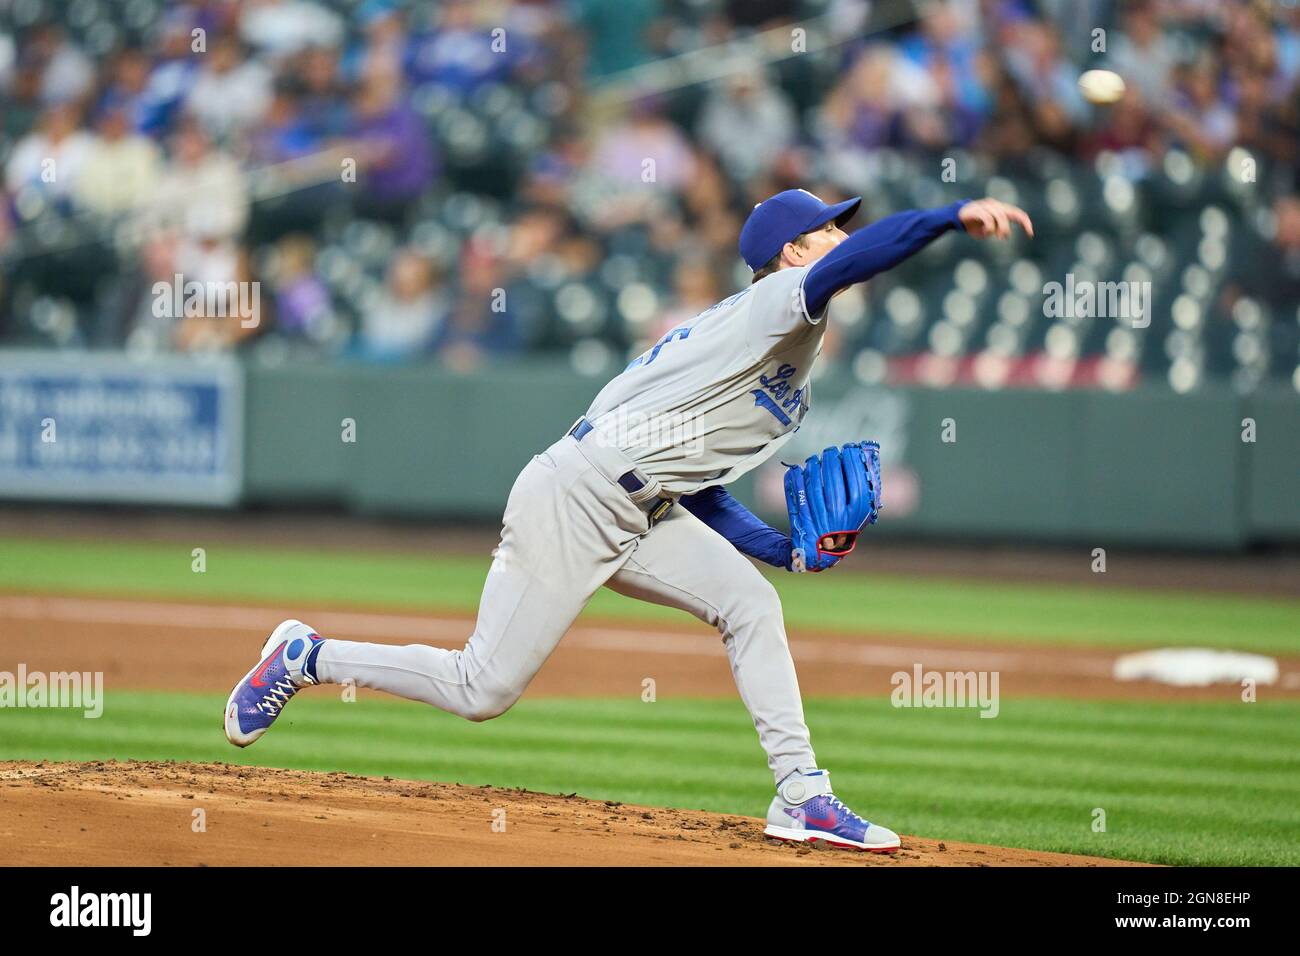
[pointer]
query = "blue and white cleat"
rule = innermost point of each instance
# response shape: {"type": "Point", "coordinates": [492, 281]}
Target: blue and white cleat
{"type": "Point", "coordinates": [288, 664]}
{"type": "Point", "coordinates": [805, 810]}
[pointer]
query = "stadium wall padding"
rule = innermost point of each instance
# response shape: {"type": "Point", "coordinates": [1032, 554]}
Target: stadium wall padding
{"type": "Point", "coordinates": [1147, 467]}
{"type": "Point", "coordinates": [1270, 472]}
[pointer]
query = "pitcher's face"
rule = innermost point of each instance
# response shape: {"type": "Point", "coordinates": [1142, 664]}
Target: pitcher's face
{"type": "Point", "coordinates": [816, 244]}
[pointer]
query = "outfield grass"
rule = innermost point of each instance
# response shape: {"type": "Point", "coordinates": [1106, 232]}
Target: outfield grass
{"type": "Point", "coordinates": [1099, 615]}
{"type": "Point", "coordinates": [1179, 783]}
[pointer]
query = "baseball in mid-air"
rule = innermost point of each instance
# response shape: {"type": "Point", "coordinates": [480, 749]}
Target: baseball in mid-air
{"type": "Point", "coordinates": [1101, 86]}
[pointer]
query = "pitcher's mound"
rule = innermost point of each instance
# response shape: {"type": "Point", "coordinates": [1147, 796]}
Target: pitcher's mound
{"type": "Point", "coordinates": [187, 814]}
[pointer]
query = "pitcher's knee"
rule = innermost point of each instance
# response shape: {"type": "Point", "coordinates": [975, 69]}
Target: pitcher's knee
{"type": "Point", "coordinates": [485, 703]}
{"type": "Point", "coordinates": [757, 603]}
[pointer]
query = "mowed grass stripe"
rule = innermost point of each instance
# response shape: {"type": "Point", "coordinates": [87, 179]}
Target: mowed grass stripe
{"type": "Point", "coordinates": [1078, 743]}
{"type": "Point", "coordinates": [967, 741]}
{"type": "Point", "coordinates": [999, 781]}
{"type": "Point", "coordinates": [1077, 615]}
{"type": "Point", "coordinates": [1158, 740]}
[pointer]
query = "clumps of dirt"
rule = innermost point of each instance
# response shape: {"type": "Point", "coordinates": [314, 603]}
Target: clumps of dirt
{"type": "Point", "coordinates": [163, 813]}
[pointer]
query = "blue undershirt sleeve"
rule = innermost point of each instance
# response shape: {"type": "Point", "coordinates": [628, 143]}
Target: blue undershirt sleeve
{"type": "Point", "coordinates": [745, 530]}
{"type": "Point", "coordinates": [875, 248]}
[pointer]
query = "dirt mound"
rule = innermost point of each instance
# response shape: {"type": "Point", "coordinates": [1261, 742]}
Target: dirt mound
{"type": "Point", "coordinates": [187, 814]}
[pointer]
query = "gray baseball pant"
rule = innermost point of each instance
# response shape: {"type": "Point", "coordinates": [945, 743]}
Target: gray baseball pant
{"type": "Point", "coordinates": [569, 528]}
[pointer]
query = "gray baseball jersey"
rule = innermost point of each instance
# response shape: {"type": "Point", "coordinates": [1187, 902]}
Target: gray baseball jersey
{"type": "Point", "coordinates": [720, 394]}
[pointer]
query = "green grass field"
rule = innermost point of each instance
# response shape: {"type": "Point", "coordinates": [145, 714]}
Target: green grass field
{"type": "Point", "coordinates": [1181, 783]}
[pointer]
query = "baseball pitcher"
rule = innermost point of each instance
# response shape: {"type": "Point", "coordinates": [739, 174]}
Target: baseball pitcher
{"type": "Point", "coordinates": [632, 498]}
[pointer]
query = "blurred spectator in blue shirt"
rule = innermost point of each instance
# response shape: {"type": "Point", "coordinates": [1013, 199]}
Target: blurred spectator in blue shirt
{"type": "Point", "coordinates": [128, 89]}
{"type": "Point", "coordinates": [949, 51]}
{"type": "Point", "coordinates": [283, 134]}
{"type": "Point", "coordinates": [460, 54]}
{"type": "Point", "coordinates": [480, 323]}
{"type": "Point", "coordinates": [385, 44]}
{"type": "Point", "coordinates": [159, 102]}
{"type": "Point", "coordinates": [324, 101]}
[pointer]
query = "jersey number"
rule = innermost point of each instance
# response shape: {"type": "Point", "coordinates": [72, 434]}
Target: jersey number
{"type": "Point", "coordinates": [653, 354]}
{"type": "Point", "coordinates": [765, 400]}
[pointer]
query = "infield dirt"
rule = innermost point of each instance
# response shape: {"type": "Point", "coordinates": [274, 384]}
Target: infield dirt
{"type": "Point", "coordinates": [144, 814]}
{"type": "Point", "coordinates": [184, 646]}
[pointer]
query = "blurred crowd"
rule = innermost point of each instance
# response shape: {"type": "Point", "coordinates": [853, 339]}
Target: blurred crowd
{"type": "Point", "coordinates": [470, 180]}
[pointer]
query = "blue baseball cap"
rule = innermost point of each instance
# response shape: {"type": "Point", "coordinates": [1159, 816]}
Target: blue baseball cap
{"type": "Point", "coordinates": [783, 218]}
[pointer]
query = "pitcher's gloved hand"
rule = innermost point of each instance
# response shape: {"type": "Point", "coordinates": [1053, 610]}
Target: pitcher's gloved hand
{"type": "Point", "coordinates": [830, 497]}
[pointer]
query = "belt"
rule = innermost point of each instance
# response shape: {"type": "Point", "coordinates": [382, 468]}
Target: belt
{"type": "Point", "coordinates": [630, 481]}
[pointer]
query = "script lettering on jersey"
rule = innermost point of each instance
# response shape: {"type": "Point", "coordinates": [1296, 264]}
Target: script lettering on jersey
{"type": "Point", "coordinates": [777, 396]}
{"type": "Point", "coordinates": [648, 357]}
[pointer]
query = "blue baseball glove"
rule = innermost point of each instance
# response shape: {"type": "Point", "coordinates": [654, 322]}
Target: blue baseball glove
{"type": "Point", "coordinates": [830, 497]}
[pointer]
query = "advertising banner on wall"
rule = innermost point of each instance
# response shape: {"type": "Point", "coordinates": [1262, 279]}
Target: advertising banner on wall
{"type": "Point", "coordinates": [91, 427]}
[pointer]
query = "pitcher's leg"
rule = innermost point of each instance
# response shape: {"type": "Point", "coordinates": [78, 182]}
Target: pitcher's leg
{"type": "Point", "coordinates": [684, 564]}
{"type": "Point", "coordinates": [520, 621]}
{"type": "Point", "coordinates": [560, 542]}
